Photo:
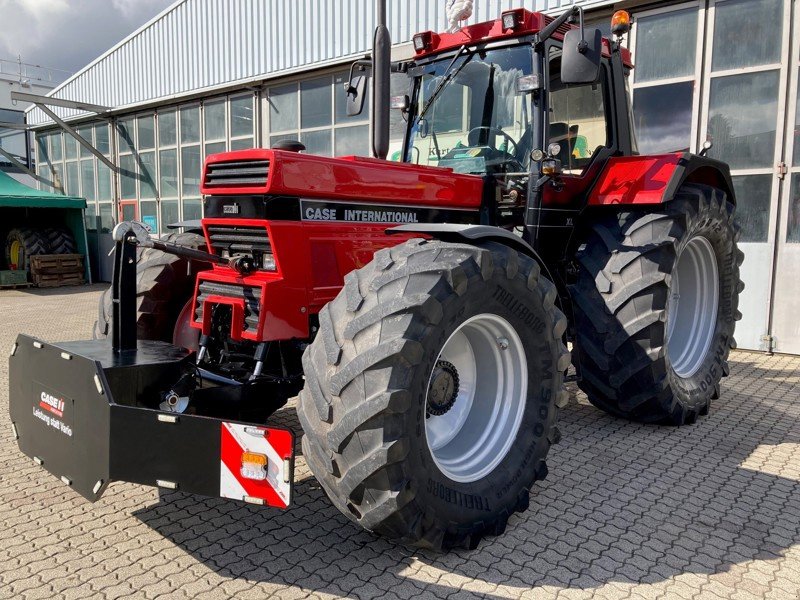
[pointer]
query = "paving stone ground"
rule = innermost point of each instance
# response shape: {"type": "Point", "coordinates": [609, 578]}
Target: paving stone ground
{"type": "Point", "coordinates": [710, 510]}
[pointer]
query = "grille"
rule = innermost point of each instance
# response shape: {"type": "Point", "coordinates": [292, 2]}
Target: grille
{"type": "Point", "coordinates": [251, 295]}
{"type": "Point", "coordinates": [246, 173]}
{"type": "Point", "coordinates": [238, 239]}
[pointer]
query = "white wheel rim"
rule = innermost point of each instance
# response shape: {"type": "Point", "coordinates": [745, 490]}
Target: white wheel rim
{"type": "Point", "coordinates": [693, 306]}
{"type": "Point", "coordinates": [475, 434]}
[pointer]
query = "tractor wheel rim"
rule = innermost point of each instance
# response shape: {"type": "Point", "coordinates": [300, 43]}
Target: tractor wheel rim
{"type": "Point", "coordinates": [16, 254]}
{"type": "Point", "coordinates": [693, 306]}
{"type": "Point", "coordinates": [475, 434]}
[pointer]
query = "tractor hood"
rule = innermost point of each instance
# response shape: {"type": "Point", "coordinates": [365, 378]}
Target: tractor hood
{"type": "Point", "coordinates": [295, 175]}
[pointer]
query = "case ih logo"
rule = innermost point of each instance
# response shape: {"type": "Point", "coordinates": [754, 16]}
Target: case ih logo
{"type": "Point", "coordinates": [230, 209]}
{"type": "Point", "coordinates": [53, 404]}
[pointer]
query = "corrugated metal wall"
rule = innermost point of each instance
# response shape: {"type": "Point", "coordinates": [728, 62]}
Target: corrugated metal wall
{"type": "Point", "coordinates": [200, 44]}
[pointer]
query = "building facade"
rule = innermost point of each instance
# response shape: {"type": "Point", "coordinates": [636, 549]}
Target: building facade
{"type": "Point", "coordinates": [207, 76]}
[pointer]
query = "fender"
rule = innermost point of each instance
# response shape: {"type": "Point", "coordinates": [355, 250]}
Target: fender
{"type": "Point", "coordinates": [656, 179]}
{"type": "Point", "coordinates": [473, 234]}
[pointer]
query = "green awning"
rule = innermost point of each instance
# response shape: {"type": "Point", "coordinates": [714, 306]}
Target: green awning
{"type": "Point", "coordinates": [16, 194]}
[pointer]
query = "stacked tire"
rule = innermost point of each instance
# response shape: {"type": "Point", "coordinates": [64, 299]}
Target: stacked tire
{"type": "Point", "coordinates": [24, 242]}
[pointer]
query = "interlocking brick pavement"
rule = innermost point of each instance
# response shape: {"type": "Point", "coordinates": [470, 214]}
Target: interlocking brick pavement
{"type": "Point", "coordinates": [710, 510]}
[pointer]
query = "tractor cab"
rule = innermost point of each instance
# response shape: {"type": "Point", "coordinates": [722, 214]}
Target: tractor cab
{"type": "Point", "coordinates": [515, 100]}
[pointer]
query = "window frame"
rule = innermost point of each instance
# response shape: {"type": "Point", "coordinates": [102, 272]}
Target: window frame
{"type": "Point", "coordinates": [697, 78]}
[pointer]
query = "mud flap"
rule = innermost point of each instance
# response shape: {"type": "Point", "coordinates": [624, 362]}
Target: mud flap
{"type": "Point", "coordinates": [90, 416]}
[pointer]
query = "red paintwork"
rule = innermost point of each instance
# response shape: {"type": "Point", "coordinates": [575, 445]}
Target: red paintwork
{"type": "Point", "coordinates": [312, 259]}
{"type": "Point", "coordinates": [634, 180]}
{"type": "Point", "coordinates": [354, 178]}
{"type": "Point", "coordinates": [529, 23]}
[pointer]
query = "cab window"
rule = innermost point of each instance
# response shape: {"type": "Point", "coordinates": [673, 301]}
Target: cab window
{"type": "Point", "coordinates": [578, 119]}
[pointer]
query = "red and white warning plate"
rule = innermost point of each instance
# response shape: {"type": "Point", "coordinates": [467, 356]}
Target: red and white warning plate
{"type": "Point", "coordinates": [256, 464]}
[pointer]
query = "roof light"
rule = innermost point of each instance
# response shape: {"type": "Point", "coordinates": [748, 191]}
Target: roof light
{"type": "Point", "coordinates": [512, 18]}
{"type": "Point", "coordinates": [620, 23]}
{"type": "Point", "coordinates": [422, 41]}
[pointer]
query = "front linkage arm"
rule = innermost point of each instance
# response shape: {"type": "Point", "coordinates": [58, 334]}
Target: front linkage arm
{"type": "Point", "coordinates": [136, 233]}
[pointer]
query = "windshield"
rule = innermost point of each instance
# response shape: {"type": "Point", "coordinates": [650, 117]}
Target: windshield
{"type": "Point", "coordinates": [472, 118]}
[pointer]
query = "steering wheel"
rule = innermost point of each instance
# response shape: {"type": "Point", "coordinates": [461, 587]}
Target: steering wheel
{"type": "Point", "coordinates": [505, 136]}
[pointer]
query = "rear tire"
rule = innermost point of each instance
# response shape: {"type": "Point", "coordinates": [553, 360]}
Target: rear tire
{"type": "Point", "coordinates": [164, 284]}
{"type": "Point", "coordinates": [368, 396]}
{"type": "Point", "coordinates": [21, 244]}
{"type": "Point", "coordinates": [629, 365]}
{"type": "Point", "coordinates": [60, 240]}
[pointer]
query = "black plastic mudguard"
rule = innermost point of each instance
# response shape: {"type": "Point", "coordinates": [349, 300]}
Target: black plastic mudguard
{"type": "Point", "coordinates": [89, 416]}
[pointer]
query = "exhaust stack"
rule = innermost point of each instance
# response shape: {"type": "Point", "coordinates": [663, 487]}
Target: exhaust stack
{"type": "Point", "coordinates": [381, 89]}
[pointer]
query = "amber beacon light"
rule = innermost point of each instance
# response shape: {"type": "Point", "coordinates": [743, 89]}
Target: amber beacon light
{"type": "Point", "coordinates": [621, 23]}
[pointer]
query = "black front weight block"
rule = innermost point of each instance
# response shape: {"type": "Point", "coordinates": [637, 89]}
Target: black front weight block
{"type": "Point", "coordinates": [89, 416]}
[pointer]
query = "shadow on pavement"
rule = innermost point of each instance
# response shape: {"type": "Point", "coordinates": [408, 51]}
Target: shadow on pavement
{"type": "Point", "coordinates": [623, 502]}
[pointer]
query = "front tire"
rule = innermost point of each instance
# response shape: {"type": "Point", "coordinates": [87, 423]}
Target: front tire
{"type": "Point", "coordinates": [655, 307]}
{"type": "Point", "coordinates": [385, 364]}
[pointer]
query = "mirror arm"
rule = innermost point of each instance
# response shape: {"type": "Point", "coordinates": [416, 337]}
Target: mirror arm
{"type": "Point", "coordinates": [362, 65]}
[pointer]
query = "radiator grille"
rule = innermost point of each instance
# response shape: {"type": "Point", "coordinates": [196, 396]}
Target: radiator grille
{"type": "Point", "coordinates": [240, 173]}
{"type": "Point", "coordinates": [238, 239]}
{"type": "Point", "coordinates": [251, 296]}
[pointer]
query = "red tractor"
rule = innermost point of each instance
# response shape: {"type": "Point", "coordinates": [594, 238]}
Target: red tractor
{"type": "Point", "coordinates": [420, 308]}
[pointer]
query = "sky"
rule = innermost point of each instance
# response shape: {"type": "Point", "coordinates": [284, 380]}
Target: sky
{"type": "Point", "coordinates": [69, 34]}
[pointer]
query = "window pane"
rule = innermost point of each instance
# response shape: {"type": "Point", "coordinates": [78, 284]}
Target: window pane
{"type": "Point", "coordinates": [214, 115]}
{"type": "Point", "coordinates": [215, 148]}
{"type": "Point", "coordinates": [242, 144]}
{"type": "Point", "coordinates": [147, 132]}
{"type": "Point", "coordinates": [340, 99]}
{"type": "Point", "coordinates": [315, 102]}
{"type": "Point", "coordinates": [192, 209]}
{"type": "Point", "coordinates": [352, 140]}
{"type": "Point", "coordinates": [148, 214]}
{"type": "Point", "coordinates": [103, 182]}
{"type": "Point", "coordinates": [747, 33]}
{"type": "Point", "coordinates": [666, 45]}
{"type": "Point", "coordinates": [283, 107]}
{"type": "Point", "coordinates": [87, 179]}
{"type": "Point", "coordinates": [753, 205]}
{"type": "Point", "coordinates": [169, 213]}
{"type": "Point", "coordinates": [663, 117]}
{"type": "Point", "coordinates": [86, 134]}
{"type": "Point", "coordinates": [317, 142]}
{"type": "Point", "coordinates": [107, 220]}
{"type": "Point", "coordinates": [191, 165]}
{"type": "Point", "coordinates": [56, 151]}
{"type": "Point", "coordinates": [128, 212]}
{"type": "Point", "coordinates": [242, 116]}
{"type": "Point", "coordinates": [127, 176]}
{"type": "Point", "coordinates": [190, 124]}
{"type": "Point", "coordinates": [101, 139]}
{"type": "Point", "coordinates": [448, 112]}
{"type": "Point", "coordinates": [796, 153]}
{"type": "Point", "coordinates": [41, 148]}
{"type": "Point", "coordinates": [126, 134]}
{"type": "Point", "coordinates": [742, 118]}
{"type": "Point", "coordinates": [70, 147]}
{"type": "Point", "coordinates": [147, 184]}
{"type": "Point", "coordinates": [578, 123]}
{"type": "Point", "coordinates": [167, 129]}
{"type": "Point", "coordinates": [73, 179]}
{"type": "Point", "coordinates": [168, 163]}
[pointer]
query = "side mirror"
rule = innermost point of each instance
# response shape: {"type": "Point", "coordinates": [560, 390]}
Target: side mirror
{"type": "Point", "coordinates": [580, 59]}
{"type": "Point", "coordinates": [355, 89]}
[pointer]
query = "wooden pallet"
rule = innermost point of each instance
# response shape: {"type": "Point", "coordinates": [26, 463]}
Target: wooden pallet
{"type": "Point", "coordinates": [56, 263]}
{"type": "Point", "coordinates": [56, 270]}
